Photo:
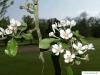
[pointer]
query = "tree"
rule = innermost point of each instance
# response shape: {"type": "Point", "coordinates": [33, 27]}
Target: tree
{"type": "Point", "coordinates": [4, 4]}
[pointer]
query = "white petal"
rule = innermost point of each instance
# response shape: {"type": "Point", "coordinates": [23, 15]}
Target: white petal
{"type": "Point", "coordinates": [68, 53]}
{"type": "Point", "coordinates": [62, 50]}
{"type": "Point", "coordinates": [1, 29]}
{"type": "Point", "coordinates": [55, 46]}
{"type": "Point", "coordinates": [80, 52]}
{"type": "Point", "coordinates": [71, 60]}
{"type": "Point", "coordinates": [73, 56]}
{"type": "Point", "coordinates": [11, 27]}
{"type": "Point", "coordinates": [66, 61]}
{"type": "Point", "coordinates": [60, 45]}
{"type": "Point", "coordinates": [68, 31]}
{"type": "Point", "coordinates": [62, 32]}
{"type": "Point", "coordinates": [79, 44]}
{"type": "Point", "coordinates": [70, 35]}
{"type": "Point", "coordinates": [84, 47]}
{"type": "Point", "coordinates": [90, 46]}
{"type": "Point", "coordinates": [74, 46]}
{"type": "Point", "coordinates": [54, 50]}
{"type": "Point", "coordinates": [57, 53]}
{"type": "Point", "coordinates": [8, 31]}
{"type": "Point", "coordinates": [1, 33]}
{"type": "Point", "coordinates": [65, 56]}
{"type": "Point", "coordinates": [51, 34]}
{"type": "Point", "coordinates": [68, 22]}
{"type": "Point", "coordinates": [73, 23]}
{"type": "Point", "coordinates": [18, 23]}
{"type": "Point", "coordinates": [59, 25]}
{"type": "Point", "coordinates": [54, 26]}
{"type": "Point", "coordinates": [12, 22]}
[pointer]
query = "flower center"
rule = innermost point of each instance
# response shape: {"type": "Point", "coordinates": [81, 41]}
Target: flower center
{"type": "Point", "coordinates": [65, 34]}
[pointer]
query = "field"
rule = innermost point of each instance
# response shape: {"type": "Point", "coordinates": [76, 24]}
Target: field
{"type": "Point", "coordinates": [29, 64]}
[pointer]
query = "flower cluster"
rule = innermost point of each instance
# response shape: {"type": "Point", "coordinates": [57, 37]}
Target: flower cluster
{"type": "Point", "coordinates": [69, 44]}
{"type": "Point", "coordinates": [12, 28]}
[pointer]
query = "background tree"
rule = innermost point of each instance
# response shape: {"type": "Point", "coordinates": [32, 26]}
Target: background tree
{"type": "Point", "coordinates": [4, 4]}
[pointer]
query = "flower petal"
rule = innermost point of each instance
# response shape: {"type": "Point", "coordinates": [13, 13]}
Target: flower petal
{"type": "Point", "coordinates": [68, 31]}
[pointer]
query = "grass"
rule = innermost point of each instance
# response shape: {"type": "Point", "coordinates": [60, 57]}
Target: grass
{"type": "Point", "coordinates": [29, 64]}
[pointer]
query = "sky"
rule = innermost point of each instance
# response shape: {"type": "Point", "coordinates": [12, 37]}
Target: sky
{"type": "Point", "coordinates": [57, 8]}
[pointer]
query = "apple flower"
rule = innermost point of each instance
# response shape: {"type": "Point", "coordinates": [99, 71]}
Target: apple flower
{"type": "Point", "coordinates": [72, 23]}
{"type": "Point", "coordinates": [63, 23]}
{"type": "Point", "coordinates": [90, 46]}
{"type": "Point", "coordinates": [8, 31]}
{"type": "Point", "coordinates": [14, 22]}
{"type": "Point", "coordinates": [66, 34]}
{"type": "Point", "coordinates": [13, 28]}
{"type": "Point", "coordinates": [80, 48]}
{"type": "Point", "coordinates": [68, 56]}
{"type": "Point", "coordinates": [54, 26]}
{"type": "Point", "coordinates": [56, 49]}
{"type": "Point", "coordinates": [1, 31]}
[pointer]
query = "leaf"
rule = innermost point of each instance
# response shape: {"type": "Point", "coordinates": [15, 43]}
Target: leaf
{"type": "Point", "coordinates": [45, 43]}
{"type": "Point", "coordinates": [11, 49]}
{"type": "Point", "coordinates": [83, 41]}
{"type": "Point", "coordinates": [69, 70]}
{"type": "Point", "coordinates": [18, 37]}
{"type": "Point", "coordinates": [81, 38]}
{"type": "Point", "coordinates": [76, 33]}
{"type": "Point", "coordinates": [64, 45]}
{"type": "Point", "coordinates": [23, 26]}
{"type": "Point", "coordinates": [27, 36]}
{"type": "Point", "coordinates": [77, 62]}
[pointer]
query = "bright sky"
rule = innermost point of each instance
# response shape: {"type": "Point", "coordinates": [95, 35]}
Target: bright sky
{"type": "Point", "coordinates": [58, 8]}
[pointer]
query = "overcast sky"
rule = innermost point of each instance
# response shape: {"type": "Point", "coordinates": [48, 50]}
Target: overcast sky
{"type": "Point", "coordinates": [58, 8]}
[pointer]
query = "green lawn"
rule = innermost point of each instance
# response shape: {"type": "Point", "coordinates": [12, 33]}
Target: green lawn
{"type": "Point", "coordinates": [29, 64]}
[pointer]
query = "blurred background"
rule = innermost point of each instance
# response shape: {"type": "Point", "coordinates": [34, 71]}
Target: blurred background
{"type": "Point", "coordinates": [85, 12]}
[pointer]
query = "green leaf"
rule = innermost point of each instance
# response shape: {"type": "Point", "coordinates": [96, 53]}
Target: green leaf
{"type": "Point", "coordinates": [27, 36]}
{"type": "Point", "coordinates": [23, 26]}
{"type": "Point", "coordinates": [83, 40]}
{"type": "Point", "coordinates": [64, 45]}
{"type": "Point", "coordinates": [45, 43]}
{"type": "Point", "coordinates": [11, 49]}
{"type": "Point", "coordinates": [18, 37]}
{"type": "Point", "coordinates": [76, 33]}
{"type": "Point", "coordinates": [69, 70]}
{"type": "Point", "coordinates": [77, 62]}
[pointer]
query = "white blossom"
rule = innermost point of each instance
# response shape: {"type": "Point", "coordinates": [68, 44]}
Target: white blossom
{"type": "Point", "coordinates": [14, 22]}
{"type": "Point", "coordinates": [66, 34]}
{"type": "Point", "coordinates": [54, 26]}
{"type": "Point", "coordinates": [51, 34]}
{"type": "Point", "coordinates": [72, 23]}
{"type": "Point", "coordinates": [80, 48]}
{"type": "Point", "coordinates": [18, 23]}
{"type": "Point", "coordinates": [8, 31]}
{"type": "Point", "coordinates": [1, 31]}
{"type": "Point", "coordinates": [68, 57]}
{"type": "Point", "coordinates": [63, 23]}
{"type": "Point", "coordinates": [56, 49]}
{"type": "Point", "coordinates": [90, 46]}
{"type": "Point", "coordinates": [13, 28]}
{"type": "Point", "coordinates": [68, 22]}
